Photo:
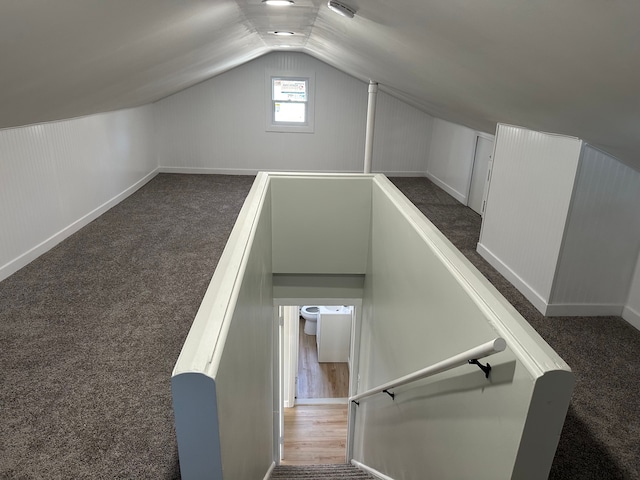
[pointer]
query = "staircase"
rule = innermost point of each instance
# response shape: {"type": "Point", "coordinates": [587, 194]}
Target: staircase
{"type": "Point", "coordinates": [319, 472]}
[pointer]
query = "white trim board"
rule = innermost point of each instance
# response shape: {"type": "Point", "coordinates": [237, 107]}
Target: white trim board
{"type": "Point", "coordinates": [369, 470]}
{"type": "Point", "coordinates": [270, 471]}
{"type": "Point", "coordinates": [454, 193]}
{"type": "Point", "coordinates": [524, 288]}
{"type": "Point", "coordinates": [631, 316]}
{"type": "Point", "coordinates": [23, 260]}
{"type": "Point", "coordinates": [253, 171]}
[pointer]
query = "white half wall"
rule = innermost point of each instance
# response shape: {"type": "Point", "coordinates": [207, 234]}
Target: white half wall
{"type": "Point", "coordinates": [601, 241]}
{"type": "Point", "coordinates": [219, 126]}
{"type": "Point", "coordinates": [527, 207]}
{"type": "Point", "coordinates": [57, 177]}
{"type": "Point", "coordinates": [424, 302]}
{"type": "Point", "coordinates": [451, 153]}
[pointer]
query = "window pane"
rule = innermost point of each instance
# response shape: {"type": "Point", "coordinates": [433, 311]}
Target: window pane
{"type": "Point", "coordinates": [291, 90]}
{"type": "Point", "coordinates": [290, 112]}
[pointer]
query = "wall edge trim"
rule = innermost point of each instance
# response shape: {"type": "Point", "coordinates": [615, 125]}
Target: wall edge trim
{"type": "Point", "coordinates": [631, 316]}
{"type": "Point", "coordinates": [30, 255]}
{"type": "Point", "coordinates": [371, 471]}
{"type": "Point", "coordinates": [268, 474]}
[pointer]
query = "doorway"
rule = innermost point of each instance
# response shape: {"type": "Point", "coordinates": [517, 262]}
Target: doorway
{"type": "Point", "coordinates": [480, 173]}
{"type": "Point", "coordinates": [314, 414]}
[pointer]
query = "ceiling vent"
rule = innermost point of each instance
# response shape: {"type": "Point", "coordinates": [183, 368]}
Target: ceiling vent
{"type": "Point", "coordinates": [341, 9]}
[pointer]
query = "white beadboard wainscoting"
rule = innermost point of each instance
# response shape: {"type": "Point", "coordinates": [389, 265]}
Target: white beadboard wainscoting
{"type": "Point", "coordinates": [527, 206]}
{"type": "Point", "coordinates": [451, 155]}
{"type": "Point", "coordinates": [601, 240]}
{"type": "Point", "coordinates": [562, 223]}
{"type": "Point", "coordinates": [59, 176]}
{"type": "Point", "coordinates": [219, 126]}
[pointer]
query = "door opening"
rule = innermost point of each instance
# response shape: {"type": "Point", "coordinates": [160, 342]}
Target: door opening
{"type": "Point", "coordinates": [316, 367]}
{"type": "Point", "coordinates": [480, 174]}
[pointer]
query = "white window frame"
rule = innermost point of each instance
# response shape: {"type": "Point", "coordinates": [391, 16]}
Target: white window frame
{"type": "Point", "coordinates": [288, 127]}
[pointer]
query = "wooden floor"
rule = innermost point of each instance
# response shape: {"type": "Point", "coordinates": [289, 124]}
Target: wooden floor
{"type": "Point", "coordinates": [315, 434]}
{"type": "Point", "coordinates": [319, 380]}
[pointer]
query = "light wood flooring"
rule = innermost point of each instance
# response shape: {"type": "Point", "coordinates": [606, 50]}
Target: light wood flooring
{"type": "Point", "coordinates": [315, 434]}
{"type": "Point", "coordinates": [319, 380]}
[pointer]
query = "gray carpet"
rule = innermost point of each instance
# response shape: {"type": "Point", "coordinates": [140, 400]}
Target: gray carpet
{"type": "Point", "coordinates": [319, 472]}
{"type": "Point", "coordinates": [90, 331]}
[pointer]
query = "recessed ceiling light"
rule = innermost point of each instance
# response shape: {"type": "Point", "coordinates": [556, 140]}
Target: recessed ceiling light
{"type": "Point", "coordinates": [282, 33]}
{"type": "Point", "coordinates": [278, 3]}
{"type": "Point", "coordinates": [341, 9]}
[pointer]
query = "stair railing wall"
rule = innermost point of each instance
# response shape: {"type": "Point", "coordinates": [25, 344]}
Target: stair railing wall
{"type": "Point", "coordinates": [423, 300]}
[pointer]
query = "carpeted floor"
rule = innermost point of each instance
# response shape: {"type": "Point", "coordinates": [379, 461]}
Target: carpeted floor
{"type": "Point", "coordinates": [90, 331]}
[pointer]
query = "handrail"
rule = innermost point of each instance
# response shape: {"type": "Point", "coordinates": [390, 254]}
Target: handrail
{"type": "Point", "coordinates": [470, 356]}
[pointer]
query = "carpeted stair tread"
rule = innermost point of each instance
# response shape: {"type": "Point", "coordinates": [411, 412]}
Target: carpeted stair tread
{"type": "Point", "coordinates": [312, 472]}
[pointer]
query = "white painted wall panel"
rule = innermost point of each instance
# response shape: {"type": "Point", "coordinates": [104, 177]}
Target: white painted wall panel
{"type": "Point", "coordinates": [56, 177]}
{"type": "Point", "coordinates": [401, 139]}
{"type": "Point", "coordinates": [219, 125]}
{"type": "Point", "coordinates": [527, 207]}
{"type": "Point", "coordinates": [321, 225]}
{"type": "Point", "coordinates": [602, 236]}
{"type": "Point", "coordinates": [450, 164]}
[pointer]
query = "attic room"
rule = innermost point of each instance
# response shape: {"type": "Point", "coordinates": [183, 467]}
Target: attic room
{"type": "Point", "coordinates": [131, 134]}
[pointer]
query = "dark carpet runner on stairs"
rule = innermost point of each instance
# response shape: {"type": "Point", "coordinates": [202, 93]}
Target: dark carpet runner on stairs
{"type": "Point", "coordinates": [320, 472]}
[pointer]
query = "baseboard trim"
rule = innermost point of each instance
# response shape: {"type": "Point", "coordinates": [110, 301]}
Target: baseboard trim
{"type": "Point", "coordinates": [450, 190]}
{"type": "Point", "coordinates": [43, 247]}
{"type": "Point", "coordinates": [208, 171]}
{"type": "Point", "coordinates": [538, 302]}
{"type": "Point", "coordinates": [369, 470]}
{"type": "Point", "coordinates": [583, 310]}
{"type": "Point", "coordinates": [631, 316]}
{"type": "Point", "coordinates": [270, 471]}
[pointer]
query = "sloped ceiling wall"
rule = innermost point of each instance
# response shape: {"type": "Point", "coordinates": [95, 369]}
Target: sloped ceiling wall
{"type": "Point", "coordinates": [570, 67]}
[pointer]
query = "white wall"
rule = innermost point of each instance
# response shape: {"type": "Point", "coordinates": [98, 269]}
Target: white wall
{"type": "Point", "coordinates": [631, 312]}
{"type": "Point", "coordinates": [401, 139]}
{"type": "Point", "coordinates": [451, 153]}
{"type": "Point", "coordinates": [329, 217]}
{"type": "Point", "coordinates": [219, 126]}
{"type": "Point", "coordinates": [601, 241]}
{"type": "Point", "coordinates": [527, 207]}
{"type": "Point", "coordinates": [57, 177]}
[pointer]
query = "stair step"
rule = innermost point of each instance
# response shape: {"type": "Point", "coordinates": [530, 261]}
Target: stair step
{"type": "Point", "coordinates": [313, 472]}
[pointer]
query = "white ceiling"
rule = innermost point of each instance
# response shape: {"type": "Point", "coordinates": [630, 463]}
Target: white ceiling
{"type": "Point", "coordinates": [570, 66]}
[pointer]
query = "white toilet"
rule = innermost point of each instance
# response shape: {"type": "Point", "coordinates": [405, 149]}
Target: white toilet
{"type": "Point", "coordinates": [310, 315]}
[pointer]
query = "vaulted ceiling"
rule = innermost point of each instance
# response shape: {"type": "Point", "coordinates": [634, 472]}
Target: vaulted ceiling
{"type": "Point", "coordinates": [570, 66]}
